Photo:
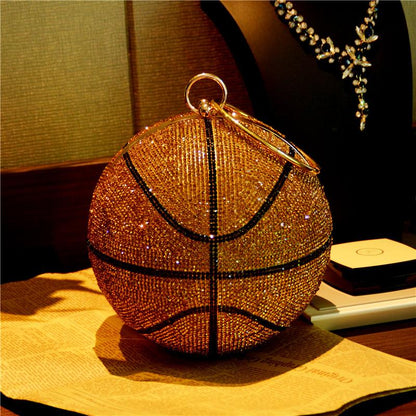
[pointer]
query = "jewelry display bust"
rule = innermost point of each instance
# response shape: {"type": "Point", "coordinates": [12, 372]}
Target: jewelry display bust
{"type": "Point", "coordinates": [352, 60]}
{"type": "Point", "coordinates": [367, 173]}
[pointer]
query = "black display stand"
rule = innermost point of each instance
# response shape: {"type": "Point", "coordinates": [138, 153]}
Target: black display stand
{"type": "Point", "coordinates": [368, 176]}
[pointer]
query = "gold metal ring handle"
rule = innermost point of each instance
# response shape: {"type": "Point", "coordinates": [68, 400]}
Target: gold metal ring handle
{"type": "Point", "coordinates": [205, 75]}
{"type": "Point", "coordinates": [233, 114]}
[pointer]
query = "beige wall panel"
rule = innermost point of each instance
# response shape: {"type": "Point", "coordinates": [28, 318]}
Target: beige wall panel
{"type": "Point", "coordinates": [65, 81]}
{"type": "Point", "coordinates": [175, 41]}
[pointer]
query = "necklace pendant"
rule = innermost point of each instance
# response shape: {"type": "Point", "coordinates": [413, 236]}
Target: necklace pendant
{"type": "Point", "coordinates": [362, 122]}
{"type": "Point", "coordinates": [362, 111]}
{"type": "Point", "coordinates": [353, 64]}
{"type": "Point", "coordinates": [351, 61]}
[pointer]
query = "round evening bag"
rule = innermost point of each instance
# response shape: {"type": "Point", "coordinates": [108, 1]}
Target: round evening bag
{"type": "Point", "coordinates": [209, 232]}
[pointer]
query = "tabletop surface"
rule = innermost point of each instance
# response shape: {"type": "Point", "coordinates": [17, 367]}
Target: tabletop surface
{"type": "Point", "coordinates": [396, 338]}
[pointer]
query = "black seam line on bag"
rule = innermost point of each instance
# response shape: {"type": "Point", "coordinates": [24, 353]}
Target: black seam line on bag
{"type": "Point", "coordinates": [256, 318]}
{"type": "Point", "coordinates": [202, 237]}
{"type": "Point", "coordinates": [172, 319]}
{"type": "Point", "coordinates": [264, 207]}
{"type": "Point", "coordinates": [213, 244]}
{"type": "Point", "coordinates": [235, 274]}
{"type": "Point", "coordinates": [159, 207]}
{"type": "Point", "coordinates": [202, 309]}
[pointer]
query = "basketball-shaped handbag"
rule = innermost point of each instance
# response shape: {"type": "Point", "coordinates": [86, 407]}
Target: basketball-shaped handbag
{"type": "Point", "coordinates": [209, 232]}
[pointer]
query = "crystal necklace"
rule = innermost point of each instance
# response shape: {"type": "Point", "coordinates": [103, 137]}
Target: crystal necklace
{"type": "Point", "coordinates": [351, 60]}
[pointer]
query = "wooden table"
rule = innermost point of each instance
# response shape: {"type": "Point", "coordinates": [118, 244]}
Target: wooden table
{"type": "Point", "coordinates": [396, 338]}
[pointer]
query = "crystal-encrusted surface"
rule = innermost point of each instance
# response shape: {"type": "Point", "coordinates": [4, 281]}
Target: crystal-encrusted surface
{"type": "Point", "coordinates": [205, 241]}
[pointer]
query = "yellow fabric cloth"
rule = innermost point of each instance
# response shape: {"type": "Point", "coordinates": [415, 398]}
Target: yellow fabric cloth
{"type": "Point", "coordinates": [63, 345]}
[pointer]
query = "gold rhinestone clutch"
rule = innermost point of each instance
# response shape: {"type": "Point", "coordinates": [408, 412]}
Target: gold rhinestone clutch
{"type": "Point", "coordinates": [209, 232]}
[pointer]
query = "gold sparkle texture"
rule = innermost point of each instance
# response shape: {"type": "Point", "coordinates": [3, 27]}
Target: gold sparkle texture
{"type": "Point", "coordinates": [205, 241]}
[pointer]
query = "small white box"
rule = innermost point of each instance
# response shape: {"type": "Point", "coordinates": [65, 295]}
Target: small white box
{"type": "Point", "coordinates": [371, 266]}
